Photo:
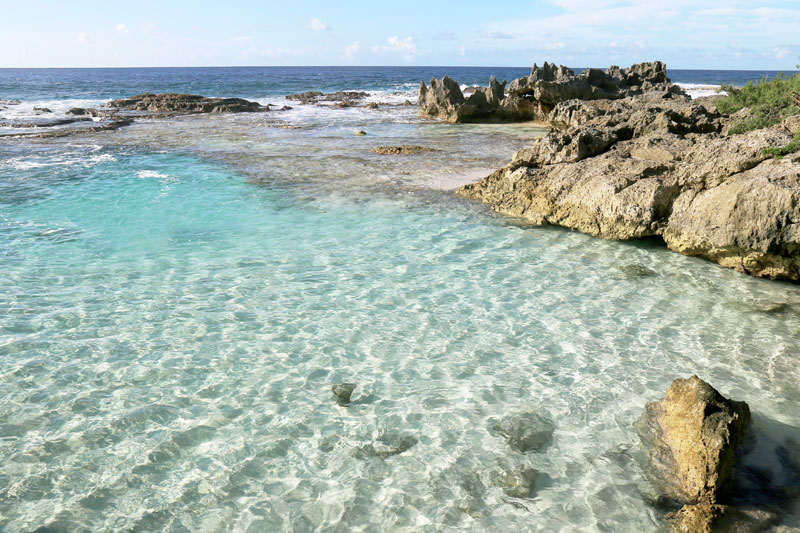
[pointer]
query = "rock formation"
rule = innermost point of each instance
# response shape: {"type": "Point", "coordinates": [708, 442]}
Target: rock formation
{"type": "Point", "coordinates": [692, 435]}
{"type": "Point", "coordinates": [185, 104]}
{"type": "Point", "coordinates": [403, 149]}
{"type": "Point", "coordinates": [657, 164]}
{"type": "Point", "coordinates": [534, 96]}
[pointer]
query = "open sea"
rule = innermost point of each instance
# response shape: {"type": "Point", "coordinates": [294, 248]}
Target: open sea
{"type": "Point", "coordinates": [177, 298]}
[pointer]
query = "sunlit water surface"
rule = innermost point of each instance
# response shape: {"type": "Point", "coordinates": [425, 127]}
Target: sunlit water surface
{"type": "Point", "coordinates": [178, 298]}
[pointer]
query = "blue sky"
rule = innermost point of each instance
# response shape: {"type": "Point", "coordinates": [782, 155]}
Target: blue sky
{"type": "Point", "coordinates": [729, 34]}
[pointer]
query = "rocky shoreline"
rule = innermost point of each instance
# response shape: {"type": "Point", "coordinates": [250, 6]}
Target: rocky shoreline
{"type": "Point", "coordinates": [634, 157]}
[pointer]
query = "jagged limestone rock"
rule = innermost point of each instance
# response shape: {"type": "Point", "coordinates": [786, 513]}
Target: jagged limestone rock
{"type": "Point", "coordinates": [656, 165]}
{"type": "Point", "coordinates": [533, 97]}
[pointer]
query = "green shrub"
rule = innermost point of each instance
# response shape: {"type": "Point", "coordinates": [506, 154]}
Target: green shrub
{"type": "Point", "coordinates": [770, 101]}
{"type": "Point", "coordinates": [779, 151]}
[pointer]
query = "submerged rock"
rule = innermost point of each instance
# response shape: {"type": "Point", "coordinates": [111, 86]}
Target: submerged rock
{"type": "Point", "coordinates": [42, 110]}
{"type": "Point", "coordinates": [404, 149]}
{"type": "Point", "coordinates": [185, 104]}
{"type": "Point", "coordinates": [517, 482]}
{"type": "Point", "coordinates": [692, 436]}
{"type": "Point", "coordinates": [388, 444]}
{"type": "Point", "coordinates": [637, 271]}
{"type": "Point", "coordinates": [526, 432]}
{"type": "Point", "coordinates": [343, 391]}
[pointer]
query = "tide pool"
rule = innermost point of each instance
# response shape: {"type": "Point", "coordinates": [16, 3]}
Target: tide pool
{"type": "Point", "coordinates": [171, 327]}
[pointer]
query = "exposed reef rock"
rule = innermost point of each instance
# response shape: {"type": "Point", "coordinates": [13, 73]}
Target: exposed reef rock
{"type": "Point", "coordinates": [341, 98]}
{"type": "Point", "coordinates": [534, 97]}
{"type": "Point", "coordinates": [185, 104]}
{"type": "Point", "coordinates": [404, 149]}
{"type": "Point", "coordinates": [692, 436]}
{"type": "Point", "coordinates": [656, 164]}
{"type": "Point", "coordinates": [108, 126]}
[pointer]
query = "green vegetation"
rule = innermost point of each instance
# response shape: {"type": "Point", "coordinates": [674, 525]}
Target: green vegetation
{"type": "Point", "coordinates": [769, 102]}
{"type": "Point", "coordinates": [779, 151]}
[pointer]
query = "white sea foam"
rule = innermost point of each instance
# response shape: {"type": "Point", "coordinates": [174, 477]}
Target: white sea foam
{"type": "Point", "coordinates": [25, 110]}
{"type": "Point", "coordinates": [144, 174]}
{"type": "Point", "coordinates": [698, 90]}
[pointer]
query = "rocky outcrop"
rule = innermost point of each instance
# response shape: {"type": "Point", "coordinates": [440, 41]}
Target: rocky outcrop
{"type": "Point", "coordinates": [185, 104]}
{"type": "Point", "coordinates": [692, 436]}
{"type": "Point", "coordinates": [535, 96]}
{"type": "Point", "coordinates": [656, 164]}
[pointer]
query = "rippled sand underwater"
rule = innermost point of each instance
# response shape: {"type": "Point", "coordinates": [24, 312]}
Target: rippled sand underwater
{"type": "Point", "coordinates": [178, 298]}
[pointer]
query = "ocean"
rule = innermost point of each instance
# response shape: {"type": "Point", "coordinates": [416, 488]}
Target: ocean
{"type": "Point", "coordinates": [178, 297]}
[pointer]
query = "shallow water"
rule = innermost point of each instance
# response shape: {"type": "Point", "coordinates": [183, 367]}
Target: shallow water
{"type": "Point", "coordinates": [179, 296]}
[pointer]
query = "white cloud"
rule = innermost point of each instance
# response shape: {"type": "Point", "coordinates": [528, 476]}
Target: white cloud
{"type": "Point", "coordinates": [83, 38]}
{"type": "Point", "coordinates": [148, 27]}
{"type": "Point", "coordinates": [122, 29]}
{"type": "Point", "coordinates": [351, 50]}
{"type": "Point", "coordinates": [780, 53]}
{"type": "Point", "coordinates": [316, 25]}
{"type": "Point", "coordinates": [463, 51]}
{"type": "Point", "coordinates": [406, 47]}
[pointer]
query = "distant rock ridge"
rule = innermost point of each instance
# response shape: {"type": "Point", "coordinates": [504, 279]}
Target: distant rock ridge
{"type": "Point", "coordinates": [533, 97]}
{"type": "Point", "coordinates": [185, 103]}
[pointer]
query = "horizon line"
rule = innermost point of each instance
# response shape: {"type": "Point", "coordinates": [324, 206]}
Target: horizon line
{"type": "Point", "coordinates": [367, 66]}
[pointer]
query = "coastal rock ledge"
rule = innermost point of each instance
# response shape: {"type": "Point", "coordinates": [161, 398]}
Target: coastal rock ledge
{"type": "Point", "coordinates": [660, 164]}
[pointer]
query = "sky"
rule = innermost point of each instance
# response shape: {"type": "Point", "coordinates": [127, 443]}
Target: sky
{"type": "Point", "coordinates": [701, 34]}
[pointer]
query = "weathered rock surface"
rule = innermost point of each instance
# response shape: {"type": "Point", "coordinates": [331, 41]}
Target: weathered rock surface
{"type": "Point", "coordinates": [403, 149]}
{"type": "Point", "coordinates": [526, 432]}
{"type": "Point", "coordinates": [694, 432]}
{"type": "Point", "coordinates": [692, 436]}
{"type": "Point", "coordinates": [534, 97]}
{"type": "Point", "coordinates": [656, 164]}
{"type": "Point", "coordinates": [185, 104]}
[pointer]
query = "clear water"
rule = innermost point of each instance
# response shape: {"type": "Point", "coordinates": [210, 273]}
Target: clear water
{"type": "Point", "coordinates": [179, 296]}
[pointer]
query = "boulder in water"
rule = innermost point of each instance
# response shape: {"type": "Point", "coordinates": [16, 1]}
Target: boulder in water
{"type": "Point", "coordinates": [343, 392]}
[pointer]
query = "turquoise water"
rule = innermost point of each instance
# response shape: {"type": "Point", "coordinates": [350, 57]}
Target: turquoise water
{"type": "Point", "coordinates": [170, 332]}
{"type": "Point", "coordinates": [178, 297]}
